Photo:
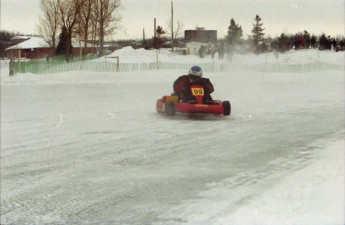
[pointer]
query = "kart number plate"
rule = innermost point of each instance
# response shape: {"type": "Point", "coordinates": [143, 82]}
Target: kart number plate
{"type": "Point", "coordinates": [198, 91]}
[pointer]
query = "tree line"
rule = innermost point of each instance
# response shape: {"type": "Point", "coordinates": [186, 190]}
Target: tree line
{"type": "Point", "coordinates": [284, 42]}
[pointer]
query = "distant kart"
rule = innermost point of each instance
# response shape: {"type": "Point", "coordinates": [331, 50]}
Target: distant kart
{"type": "Point", "coordinates": [170, 104]}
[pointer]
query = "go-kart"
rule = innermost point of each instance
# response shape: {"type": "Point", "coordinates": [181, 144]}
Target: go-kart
{"type": "Point", "coordinates": [170, 104]}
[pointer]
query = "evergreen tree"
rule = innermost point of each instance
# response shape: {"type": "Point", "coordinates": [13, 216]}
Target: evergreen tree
{"type": "Point", "coordinates": [159, 39]}
{"type": "Point", "coordinates": [234, 33]}
{"type": "Point", "coordinates": [258, 34]}
{"type": "Point", "coordinates": [61, 48]}
{"type": "Point", "coordinates": [5, 40]}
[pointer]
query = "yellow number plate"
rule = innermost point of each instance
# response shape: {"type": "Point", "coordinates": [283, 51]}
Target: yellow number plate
{"type": "Point", "coordinates": [198, 91]}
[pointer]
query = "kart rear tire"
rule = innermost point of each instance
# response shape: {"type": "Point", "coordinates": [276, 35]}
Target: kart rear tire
{"type": "Point", "coordinates": [170, 109]}
{"type": "Point", "coordinates": [227, 108]}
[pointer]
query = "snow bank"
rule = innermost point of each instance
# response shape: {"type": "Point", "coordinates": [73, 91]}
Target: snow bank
{"type": "Point", "coordinates": [140, 59]}
{"type": "Point", "coordinates": [128, 54]}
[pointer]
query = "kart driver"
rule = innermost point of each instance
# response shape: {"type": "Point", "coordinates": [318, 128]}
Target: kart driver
{"type": "Point", "coordinates": [183, 83]}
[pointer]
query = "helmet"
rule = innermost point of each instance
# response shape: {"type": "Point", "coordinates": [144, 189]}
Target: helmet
{"type": "Point", "coordinates": [196, 71]}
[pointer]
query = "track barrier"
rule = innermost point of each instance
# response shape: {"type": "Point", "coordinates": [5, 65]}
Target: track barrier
{"type": "Point", "coordinates": [50, 67]}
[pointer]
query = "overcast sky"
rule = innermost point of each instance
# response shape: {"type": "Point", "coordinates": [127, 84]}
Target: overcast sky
{"type": "Point", "coordinates": [278, 16]}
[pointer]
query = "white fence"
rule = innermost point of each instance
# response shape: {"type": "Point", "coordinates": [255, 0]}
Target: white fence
{"type": "Point", "coordinates": [101, 66]}
{"type": "Point", "coordinates": [295, 68]}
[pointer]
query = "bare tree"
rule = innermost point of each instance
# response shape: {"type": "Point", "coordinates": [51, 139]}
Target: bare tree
{"type": "Point", "coordinates": [49, 21]}
{"type": "Point", "coordinates": [69, 11]}
{"type": "Point", "coordinates": [94, 31]}
{"type": "Point", "coordinates": [86, 20]}
{"type": "Point", "coordinates": [178, 28]}
{"type": "Point", "coordinates": [108, 19]}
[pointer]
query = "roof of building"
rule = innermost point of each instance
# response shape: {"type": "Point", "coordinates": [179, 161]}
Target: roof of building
{"type": "Point", "coordinates": [39, 42]}
{"type": "Point", "coordinates": [31, 43]}
{"type": "Point", "coordinates": [20, 37]}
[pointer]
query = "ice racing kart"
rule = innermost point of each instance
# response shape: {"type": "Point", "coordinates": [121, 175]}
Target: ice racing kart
{"type": "Point", "coordinates": [170, 104]}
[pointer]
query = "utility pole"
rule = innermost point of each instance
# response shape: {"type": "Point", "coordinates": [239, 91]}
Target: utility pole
{"type": "Point", "coordinates": [154, 28]}
{"type": "Point", "coordinates": [172, 26]}
{"type": "Point", "coordinates": [155, 40]}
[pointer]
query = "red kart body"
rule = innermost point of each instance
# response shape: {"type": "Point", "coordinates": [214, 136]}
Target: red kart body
{"type": "Point", "coordinates": [170, 104]}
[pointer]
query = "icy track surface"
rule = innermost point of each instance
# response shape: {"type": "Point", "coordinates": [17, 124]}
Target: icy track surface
{"type": "Point", "coordinates": [83, 148]}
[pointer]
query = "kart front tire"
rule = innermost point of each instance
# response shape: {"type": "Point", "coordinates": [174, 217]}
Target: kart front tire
{"type": "Point", "coordinates": [170, 109]}
{"type": "Point", "coordinates": [227, 108]}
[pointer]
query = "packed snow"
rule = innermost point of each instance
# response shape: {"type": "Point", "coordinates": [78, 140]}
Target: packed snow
{"type": "Point", "coordinates": [87, 147]}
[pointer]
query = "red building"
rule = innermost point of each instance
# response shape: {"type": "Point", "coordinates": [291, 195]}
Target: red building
{"type": "Point", "coordinates": [29, 47]}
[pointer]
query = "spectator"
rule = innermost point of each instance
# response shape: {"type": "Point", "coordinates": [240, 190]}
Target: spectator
{"type": "Point", "coordinates": [229, 53]}
{"type": "Point", "coordinates": [313, 41]}
{"type": "Point", "coordinates": [11, 67]}
{"type": "Point", "coordinates": [302, 42]}
{"type": "Point", "coordinates": [221, 51]}
{"type": "Point", "coordinates": [341, 45]}
{"type": "Point", "coordinates": [213, 51]}
{"type": "Point", "coordinates": [334, 44]}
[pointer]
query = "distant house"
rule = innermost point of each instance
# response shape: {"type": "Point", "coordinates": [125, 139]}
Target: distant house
{"type": "Point", "coordinates": [29, 47]}
{"type": "Point", "coordinates": [38, 48]}
{"type": "Point", "coordinates": [78, 48]}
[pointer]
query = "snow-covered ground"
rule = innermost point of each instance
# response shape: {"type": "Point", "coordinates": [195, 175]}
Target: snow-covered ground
{"type": "Point", "coordinates": [89, 148]}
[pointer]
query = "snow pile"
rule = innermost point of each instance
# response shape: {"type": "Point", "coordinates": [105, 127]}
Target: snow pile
{"type": "Point", "coordinates": [128, 54]}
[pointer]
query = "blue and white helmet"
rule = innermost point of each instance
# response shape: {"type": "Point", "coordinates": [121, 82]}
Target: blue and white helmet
{"type": "Point", "coordinates": [196, 71]}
